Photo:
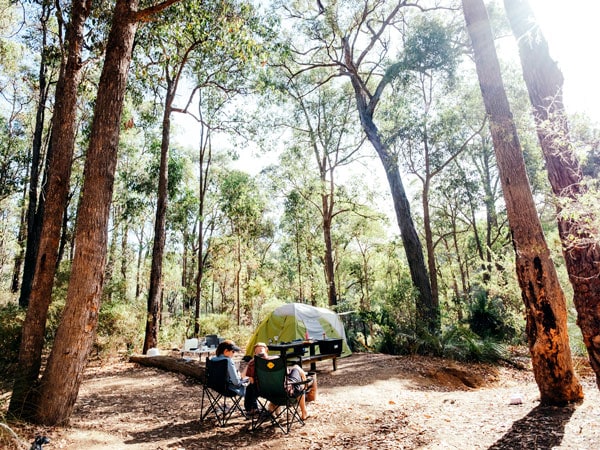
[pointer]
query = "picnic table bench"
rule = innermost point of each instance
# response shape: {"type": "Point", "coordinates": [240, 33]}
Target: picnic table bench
{"type": "Point", "coordinates": [328, 349]}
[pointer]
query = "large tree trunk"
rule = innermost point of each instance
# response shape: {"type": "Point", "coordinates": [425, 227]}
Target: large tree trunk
{"type": "Point", "coordinates": [33, 218]}
{"type": "Point", "coordinates": [428, 312]}
{"type": "Point", "coordinates": [205, 166]}
{"type": "Point", "coordinates": [155, 290]}
{"type": "Point", "coordinates": [75, 334]}
{"type": "Point", "coordinates": [542, 295]}
{"type": "Point", "coordinates": [429, 244]}
{"type": "Point", "coordinates": [544, 82]}
{"type": "Point", "coordinates": [59, 173]}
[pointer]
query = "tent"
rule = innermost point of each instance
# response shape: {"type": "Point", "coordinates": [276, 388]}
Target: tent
{"type": "Point", "coordinates": [294, 320]}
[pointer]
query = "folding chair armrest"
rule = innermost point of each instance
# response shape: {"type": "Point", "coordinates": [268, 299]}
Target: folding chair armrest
{"type": "Point", "coordinates": [299, 383]}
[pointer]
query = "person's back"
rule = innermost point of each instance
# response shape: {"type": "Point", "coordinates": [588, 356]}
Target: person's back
{"type": "Point", "coordinates": [295, 374]}
{"type": "Point", "coordinates": [226, 350]}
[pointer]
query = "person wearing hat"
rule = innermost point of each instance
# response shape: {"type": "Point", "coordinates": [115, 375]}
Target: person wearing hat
{"type": "Point", "coordinates": [226, 350]}
{"type": "Point", "coordinates": [250, 399]}
{"type": "Point", "coordinates": [294, 374]}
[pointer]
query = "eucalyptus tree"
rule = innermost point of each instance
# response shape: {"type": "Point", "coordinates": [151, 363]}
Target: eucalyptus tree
{"type": "Point", "coordinates": [61, 150]}
{"type": "Point", "coordinates": [364, 237]}
{"type": "Point", "coordinates": [427, 119]}
{"type": "Point", "coordinates": [135, 192]}
{"type": "Point", "coordinates": [15, 100]}
{"type": "Point", "coordinates": [212, 42]}
{"type": "Point", "coordinates": [542, 295]}
{"type": "Point", "coordinates": [74, 338]}
{"type": "Point", "coordinates": [580, 247]}
{"type": "Point", "coordinates": [47, 46]}
{"type": "Point", "coordinates": [300, 245]}
{"type": "Point", "coordinates": [362, 41]}
{"type": "Point", "coordinates": [323, 124]}
{"type": "Point", "coordinates": [212, 103]}
{"type": "Point", "coordinates": [243, 206]}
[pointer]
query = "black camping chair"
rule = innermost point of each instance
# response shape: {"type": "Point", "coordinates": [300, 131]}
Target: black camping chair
{"type": "Point", "coordinates": [283, 395]}
{"type": "Point", "coordinates": [222, 401]}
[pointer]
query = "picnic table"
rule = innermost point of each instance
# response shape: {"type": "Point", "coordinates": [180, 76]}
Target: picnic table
{"type": "Point", "coordinates": [294, 352]}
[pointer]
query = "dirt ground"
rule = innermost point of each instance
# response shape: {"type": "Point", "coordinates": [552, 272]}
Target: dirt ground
{"type": "Point", "coordinates": [371, 401]}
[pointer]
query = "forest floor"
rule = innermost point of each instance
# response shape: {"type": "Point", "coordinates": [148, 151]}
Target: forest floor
{"type": "Point", "coordinates": [372, 401]}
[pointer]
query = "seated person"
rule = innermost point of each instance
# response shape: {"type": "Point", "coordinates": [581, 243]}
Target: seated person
{"type": "Point", "coordinates": [294, 374]}
{"type": "Point", "coordinates": [250, 404]}
{"type": "Point", "coordinates": [226, 350]}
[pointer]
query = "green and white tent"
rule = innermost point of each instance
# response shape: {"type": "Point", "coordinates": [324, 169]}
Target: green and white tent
{"type": "Point", "coordinates": [292, 321]}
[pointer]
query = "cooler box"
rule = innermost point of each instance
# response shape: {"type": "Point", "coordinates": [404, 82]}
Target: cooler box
{"type": "Point", "coordinates": [330, 346]}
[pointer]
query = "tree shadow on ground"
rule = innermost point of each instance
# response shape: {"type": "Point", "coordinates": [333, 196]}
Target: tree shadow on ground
{"type": "Point", "coordinates": [543, 429]}
{"type": "Point", "coordinates": [197, 435]}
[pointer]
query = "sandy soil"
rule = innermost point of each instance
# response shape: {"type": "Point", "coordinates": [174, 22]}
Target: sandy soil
{"type": "Point", "coordinates": [372, 401]}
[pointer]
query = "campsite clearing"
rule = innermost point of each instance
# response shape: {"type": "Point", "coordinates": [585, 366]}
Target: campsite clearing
{"type": "Point", "coordinates": [371, 401]}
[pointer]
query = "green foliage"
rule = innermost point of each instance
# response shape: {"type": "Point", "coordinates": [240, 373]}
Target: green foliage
{"type": "Point", "coordinates": [11, 321]}
{"type": "Point", "coordinates": [485, 316]}
{"type": "Point", "coordinates": [455, 342]}
{"type": "Point", "coordinates": [460, 343]}
{"type": "Point", "coordinates": [489, 319]}
{"type": "Point", "coordinates": [13, 156]}
{"type": "Point", "coordinates": [242, 203]}
{"type": "Point", "coordinates": [576, 343]}
{"type": "Point", "coordinates": [175, 329]}
{"type": "Point", "coordinates": [430, 46]}
{"type": "Point", "coordinates": [120, 325]}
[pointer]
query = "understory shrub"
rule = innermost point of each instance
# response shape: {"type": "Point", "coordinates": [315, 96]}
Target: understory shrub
{"type": "Point", "coordinates": [11, 322]}
{"type": "Point", "coordinates": [489, 318]}
{"type": "Point", "coordinates": [120, 325]}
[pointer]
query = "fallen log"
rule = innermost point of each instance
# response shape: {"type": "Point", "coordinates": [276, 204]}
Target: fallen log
{"type": "Point", "coordinates": [184, 366]}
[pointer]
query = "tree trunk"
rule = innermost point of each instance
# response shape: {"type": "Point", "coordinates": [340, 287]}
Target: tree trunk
{"type": "Point", "coordinates": [327, 203]}
{"type": "Point", "coordinates": [429, 244]}
{"type": "Point", "coordinates": [428, 312]}
{"type": "Point", "coordinates": [33, 218]}
{"type": "Point", "coordinates": [125, 258]}
{"type": "Point", "coordinates": [155, 290]}
{"type": "Point", "coordinates": [238, 271]}
{"type": "Point", "coordinates": [205, 165]}
{"type": "Point", "coordinates": [65, 235]}
{"type": "Point", "coordinates": [20, 256]}
{"type": "Point", "coordinates": [190, 368]}
{"type": "Point", "coordinates": [75, 334]}
{"type": "Point", "coordinates": [544, 82]}
{"type": "Point", "coordinates": [138, 267]}
{"type": "Point", "coordinates": [59, 172]}
{"type": "Point", "coordinates": [542, 295]}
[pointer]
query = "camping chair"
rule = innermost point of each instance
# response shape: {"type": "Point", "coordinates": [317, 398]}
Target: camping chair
{"type": "Point", "coordinates": [189, 345]}
{"type": "Point", "coordinates": [273, 387]}
{"type": "Point", "coordinates": [222, 402]}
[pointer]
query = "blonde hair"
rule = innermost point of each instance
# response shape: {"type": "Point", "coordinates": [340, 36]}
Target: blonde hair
{"type": "Point", "coordinates": [259, 344]}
